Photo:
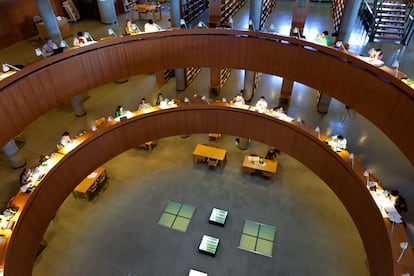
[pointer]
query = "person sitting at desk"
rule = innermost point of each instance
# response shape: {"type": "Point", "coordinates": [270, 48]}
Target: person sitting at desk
{"type": "Point", "coordinates": [150, 26]}
{"type": "Point", "coordinates": [160, 98]}
{"type": "Point", "coordinates": [261, 104]}
{"type": "Point", "coordinates": [79, 40]}
{"type": "Point", "coordinates": [49, 47]}
{"type": "Point", "coordinates": [131, 29]}
{"type": "Point", "coordinates": [376, 53]}
{"type": "Point", "coordinates": [323, 39]}
{"type": "Point", "coordinates": [238, 100]}
{"type": "Point", "coordinates": [144, 104]}
{"type": "Point", "coordinates": [338, 142]}
{"type": "Point", "coordinates": [119, 111]}
{"type": "Point", "coordinates": [26, 176]}
{"type": "Point", "coordinates": [65, 139]}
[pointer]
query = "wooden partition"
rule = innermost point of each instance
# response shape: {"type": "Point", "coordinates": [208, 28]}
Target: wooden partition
{"type": "Point", "coordinates": [376, 94]}
{"type": "Point", "coordinates": [204, 118]}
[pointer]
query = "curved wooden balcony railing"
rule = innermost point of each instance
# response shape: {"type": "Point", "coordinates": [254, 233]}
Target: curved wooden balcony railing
{"type": "Point", "coordinates": [377, 95]}
{"type": "Point", "coordinates": [381, 247]}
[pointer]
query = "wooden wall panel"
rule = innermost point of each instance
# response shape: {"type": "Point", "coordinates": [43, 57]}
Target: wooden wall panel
{"type": "Point", "coordinates": [377, 95]}
{"type": "Point", "coordinates": [16, 19]}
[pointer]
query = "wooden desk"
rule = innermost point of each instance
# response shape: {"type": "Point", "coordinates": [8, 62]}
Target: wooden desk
{"type": "Point", "coordinates": [148, 8]}
{"type": "Point", "coordinates": [207, 152]}
{"type": "Point", "coordinates": [64, 28]}
{"type": "Point", "coordinates": [268, 168]}
{"type": "Point", "coordinates": [91, 185]}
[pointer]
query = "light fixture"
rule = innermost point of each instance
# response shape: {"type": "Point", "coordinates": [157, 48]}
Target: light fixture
{"type": "Point", "coordinates": [201, 24]}
{"type": "Point", "coordinates": [203, 98]}
{"type": "Point", "coordinates": [251, 26]}
{"type": "Point", "coordinates": [6, 67]}
{"type": "Point", "coordinates": [404, 246]}
{"type": "Point", "coordinates": [231, 22]}
{"type": "Point", "coordinates": [318, 130]}
{"type": "Point", "coordinates": [396, 65]}
{"type": "Point", "coordinates": [371, 51]}
{"type": "Point", "coordinates": [112, 32]}
{"type": "Point", "coordinates": [299, 121]}
{"type": "Point", "coordinates": [296, 32]}
{"type": "Point", "coordinates": [352, 157]}
{"type": "Point", "coordinates": [135, 27]}
{"type": "Point", "coordinates": [272, 28]}
{"type": "Point", "coordinates": [87, 35]}
{"type": "Point", "coordinates": [366, 174]}
{"type": "Point", "coordinates": [63, 44]}
{"type": "Point", "coordinates": [94, 128]}
{"type": "Point", "coordinates": [39, 52]}
{"type": "Point", "coordinates": [224, 100]}
{"type": "Point", "coordinates": [186, 100]}
{"type": "Point", "coordinates": [339, 44]}
{"type": "Point", "coordinates": [183, 24]}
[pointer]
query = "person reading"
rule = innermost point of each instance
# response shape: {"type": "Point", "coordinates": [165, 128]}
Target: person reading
{"type": "Point", "coordinates": [150, 26]}
{"type": "Point", "coordinates": [79, 39]}
{"type": "Point", "coordinates": [261, 104]}
{"type": "Point", "coordinates": [144, 104]}
{"type": "Point", "coordinates": [65, 139]}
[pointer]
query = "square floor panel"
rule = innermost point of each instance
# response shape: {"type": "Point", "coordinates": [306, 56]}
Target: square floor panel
{"type": "Point", "coordinates": [247, 242]}
{"type": "Point", "coordinates": [267, 232]}
{"type": "Point", "coordinates": [264, 247]}
{"type": "Point", "coordinates": [186, 211]}
{"type": "Point", "coordinates": [257, 238]}
{"type": "Point", "coordinates": [251, 228]}
{"type": "Point", "coordinates": [173, 207]}
{"type": "Point", "coordinates": [181, 224]}
{"type": "Point", "coordinates": [166, 220]}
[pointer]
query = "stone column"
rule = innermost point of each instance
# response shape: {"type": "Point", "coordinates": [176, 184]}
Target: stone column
{"type": "Point", "coordinates": [77, 105]}
{"type": "Point", "coordinates": [49, 18]}
{"type": "Point", "coordinates": [349, 19]}
{"type": "Point", "coordinates": [13, 155]}
{"type": "Point", "coordinates": [175, 23]}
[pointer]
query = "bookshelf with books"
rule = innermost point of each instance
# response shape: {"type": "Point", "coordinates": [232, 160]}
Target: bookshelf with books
{"type": "Point", "coordinates": [190, 9]}
{"type": "Point", "coordinates": [221, 11]}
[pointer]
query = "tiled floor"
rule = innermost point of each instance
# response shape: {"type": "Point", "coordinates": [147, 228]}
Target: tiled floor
{"type": "Point", "coordinates": [118, 232]}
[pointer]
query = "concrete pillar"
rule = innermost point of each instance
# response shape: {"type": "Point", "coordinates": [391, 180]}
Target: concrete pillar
{"type": "Point", "coordinates": [244, 143]}
{"type": "Point", "coordinates": [255, 13]}
{"type": "Point", "coordinates": [175, 13]}
{"type": "Point", "coordinates": [248, 90]}
{"type": "Point", "coordinates": [12, 153]}
{"type": "Point", "coordinates": [323, 103]}
{"type": "Point", "coordinates": [49, 18]}
{"type": "Point", "coordinates": [179, 79]}
{"type": "Point", "coordinates": [77, 105]}
{"type": "Point", "coordinates": [286, 91]}
{"type": "Point", "coordinates": [349, 19]}
{"type": "Point", "coordinates": [107, 11]}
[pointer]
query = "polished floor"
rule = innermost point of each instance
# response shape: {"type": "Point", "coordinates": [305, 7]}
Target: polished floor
{"type": "Point", "coordinates": [117, 233]}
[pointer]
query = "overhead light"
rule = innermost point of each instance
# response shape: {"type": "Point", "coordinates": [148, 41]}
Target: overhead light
{"type": "Point", "coordinates": [39, 52]}
{"type": "Point", "coordinates": [182, 23]}
{"type": "Point", "coordinates": [112, 32]}
{"type": "Point", "coordinates": [6, 67]}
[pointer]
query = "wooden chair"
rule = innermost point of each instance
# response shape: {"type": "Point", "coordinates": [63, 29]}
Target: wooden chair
{"type": "Point", "coordinates": [214, 136]}
{"type": "Point", "coordinates": [212, 163]}
{"type": "Point", "coordinates": [148, 145]}
{"type": "Point", "coordinates": [100, 121]}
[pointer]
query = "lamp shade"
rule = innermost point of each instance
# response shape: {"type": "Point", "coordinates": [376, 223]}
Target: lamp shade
{"type": "Point", "coordinates": [351, 156]}
{"type": "Point", "coordinates": [5, 68]}
{"type": "Point", "coordinates": [366, 173]}
{"type": "Point", "coordinates": [317, 129]}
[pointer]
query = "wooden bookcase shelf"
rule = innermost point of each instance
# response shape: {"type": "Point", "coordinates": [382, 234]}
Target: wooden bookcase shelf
{"type": "Point", "coordinates": [267, 8]}
{"type": "Point", "coordinates": [190, 9]}
{"type": "Point", "coordinates": [338, 7]}
{"type": "Point", "coordinates": [221, 12]}
{"type": "Point", "coordinates": [190, 74]}
{"type": "Point", "coordinates": [164, 75]}
{"type": "Point", "coordinates": [224, 76]}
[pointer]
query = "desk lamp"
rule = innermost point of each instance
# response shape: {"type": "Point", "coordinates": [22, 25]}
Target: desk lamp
{"type": "Point", "coordinates": [231, 22]}
{"type": "Point", "coordinates": [352, 157]}
{"type": "Point", "coordinates": [224, 100]}
{"type": "Point", "coordinates": [186, 100]}
{"type": "Point", "coordinates": [183, 24]}
{"type": "Point", "coordinates": [6, 67]}
{"type": "Point", "coordinates": [296, 32]}
{"type": "Point", "coordinates": [366, 174]}
{"type": "Point", "coordinates": [299, 121]}
{"type": "Point", "coordinates": [318, 130]}
{"type": "Point", "coordinates": [396, 65]}
{"type": "Point", "coordinates": [201, 24]}
{"type": "Point", "coordinates": [39, 53]}
{"type": "Point", "coordinates": [135, 27]}
{"type": "Point", "coordinates": [251, 26]}
{"type": "Point", "coordinates": [272, 28]}
{"type": "Point", "coordinates": [63, 44]}
{"type": "Point", "coordinates": [340, 45]}
{"type": "Point", "coordinates": [88, 35]}
{"type": "Point", "coordinates": [404, 246]}
{"type": "Point", "coordinates": [112, 32]}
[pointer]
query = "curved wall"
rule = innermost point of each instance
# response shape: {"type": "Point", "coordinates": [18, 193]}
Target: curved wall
{"type": "Point", "coordinates": [377, 95]}
{"type": "Point", "coordinates": [107, 143]}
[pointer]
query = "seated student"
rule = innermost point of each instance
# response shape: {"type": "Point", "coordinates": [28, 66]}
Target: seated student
{"type": "Point", "coordinates": [119, 111]}
{"type": "Point", "coordinates": [65, 139]}
{"type": "Point", "coordinates": [323, 39]}
{"type": "Point", "coordinates": [131, 29]}
{"type": "Point", "coordinates": [144, 104]}
{"type": "Point", "coordinates": [79, 40]}
{"type": "Point", "coordinates": [160, 98]}
{"type": "Point", "coordinates": [376, 54]}
{"type": "Point", "coordinates": [261, 104]}
{"type": "Point", "coordinates": [26, 176]}
{"type": "Point", "coordinates": [238, 99]}
{"type": "Point", "coordinates": [150, 26]}
{"type": "Point", "coordinates": [338, 142]}
{"type": "Point", "coordinates": [49, 47]}
{"type": "Point", "coordinates": [400, 203]}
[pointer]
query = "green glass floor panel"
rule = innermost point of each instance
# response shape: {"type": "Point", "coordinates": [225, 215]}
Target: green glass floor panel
{"type": "Point", "coordinates": [251, 228]}
{"type": "Point", "coordinates": [172, 207]}
{"type": "Point", "coordinates": [247, 242]}
{"type": "Point", "coordinates": [264, 247]}
{"type": "Point", "coordinates": [186, 211]}
{"type": "Point", "coordinates": [181, 224]}
{"type": "Point", "coordinates": [166, 220]}
{"type": "Point", "coordinates": [267, 232]}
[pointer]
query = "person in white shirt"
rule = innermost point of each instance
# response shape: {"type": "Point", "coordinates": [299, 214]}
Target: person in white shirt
{"type": "Point", "coordinates": [49, 47]}
{"type": "Point", "coordinates": [79, 40]}
{"type": "Point", "coordinates": [65, 139]}
{"type": "Point", "coordinates": [338, 142]}
{"type": "Point", "coordinates": [261, 104]}
{"type": "Point", "coordinates": [150, 26]}
{"type": "Point", "coordinates": [238, 100]}
{"type": "Point", "coordinates": [143, 104]}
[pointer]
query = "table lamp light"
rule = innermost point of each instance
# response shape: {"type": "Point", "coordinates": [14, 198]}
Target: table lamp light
{"type": "Point", "coordinates": [272, 28]}
{"type": "Point", "coordinates": [87, 35]}
{"type": "Point", "coordinates": [299, 121]}
{"type": "Point", "coordinates": [111, 32]}
{"type": "Point", "coordinates": [396, 65]}
{"type": "Point", "coordinates": [183, 24]}
{"type": "Point", "coordinates": [318, 130]}
{"type": "Point", "coordinates": [6, 67]}
{"type": "Point", "coordinates": [63, 44]}
{"type": "Point", "coordinates": [186, 100]}
{"type": "Point", "coordinates": [39, 52]}
{"type": "Point", "coordinates": [251, 26]}
{"type": "Point", "coordinates": [201, 24]}
{"type": "Point", "coordinates": [224, 100]}
{"type": "Point", "coordinates": [366, 174]}
{"type": "Point", "coordinates": [231, 22]}
{"type": "Point", "coordinates": [135, 27]}
{"type": "Point", "coordinates": [404, 246]}
{"type": "Point", "coordinates": [352, 157]}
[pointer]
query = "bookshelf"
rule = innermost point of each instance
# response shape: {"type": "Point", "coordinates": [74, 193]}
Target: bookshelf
{"type": "Point", "coordinates": [190, 74]}
{"type": "Point", "coordinates": [338, 7]}
{"type": "Point", "coordinates": [267, 8]}
{"type": "Point", "coordinates": [221, 11]}
{"type": "Point", "coordinates": [164, 75]}
{"type": "Point", "coordinates": [190, 9]}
